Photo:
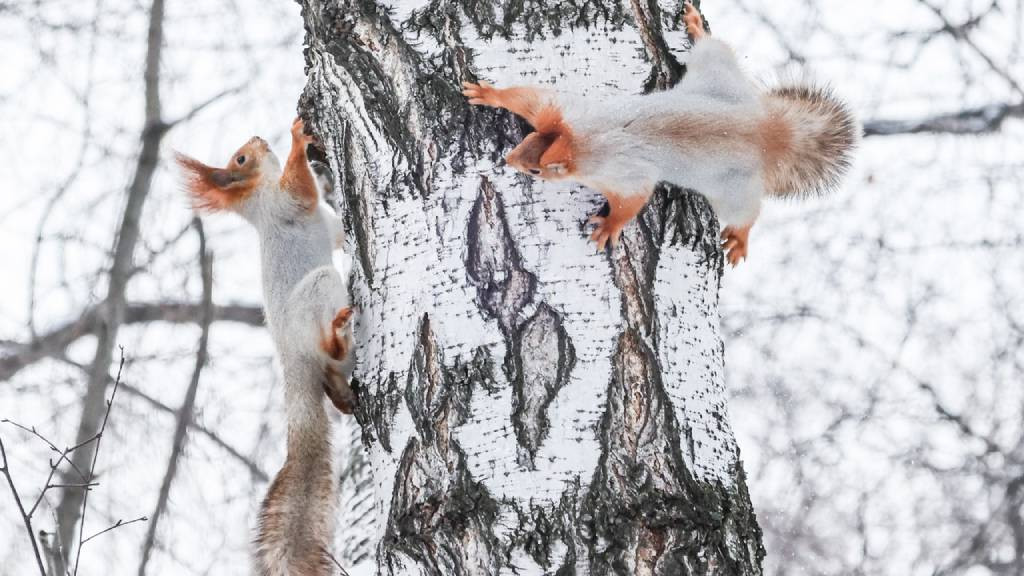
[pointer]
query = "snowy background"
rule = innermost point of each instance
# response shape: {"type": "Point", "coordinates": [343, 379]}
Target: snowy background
{"type": "Point", "coordinates": [874, 339]}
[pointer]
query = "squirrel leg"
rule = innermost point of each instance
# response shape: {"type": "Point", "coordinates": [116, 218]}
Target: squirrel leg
{"type": "Point", "coordinates": [337, 346]}
{"type": "Point", "coordinates": [525, 101]}
{"type": "Point", "coordinates": [694, 22]}
{"type": "Point", "coordinates": [734, 242]}
{"type": "Point", "coordinates": [622, 210]}
{"type": "Point", "coordinates": [297, 178]}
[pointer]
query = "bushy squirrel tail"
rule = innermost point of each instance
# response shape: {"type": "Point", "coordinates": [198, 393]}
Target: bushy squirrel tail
{"type": "Point", "coordinates": [822, 135]}
{"type": "Point", "coordinates": [296, 520]}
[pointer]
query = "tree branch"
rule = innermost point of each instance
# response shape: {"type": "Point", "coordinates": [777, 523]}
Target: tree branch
{"type": "Point", "coordinates": [92, 467]}
{"type": "Point", "coordinates": [981, 120]}
{"type": "Point", "coordinates": [54, 343]}
{"type": "Point", "coordinates": [188, 406]}
{"type": "Point", "coordinates": [25, 517]}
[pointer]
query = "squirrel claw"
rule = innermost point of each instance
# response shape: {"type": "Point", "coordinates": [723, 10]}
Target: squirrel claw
{"type": "Point", "coordinates": [735, 244]}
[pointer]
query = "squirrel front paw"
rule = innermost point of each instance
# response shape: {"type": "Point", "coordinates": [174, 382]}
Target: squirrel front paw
{"type": "Point", "coordinates": [608, 231]}
{"type": "Point", "coordinates": [482, 94]}
{"type": "Point", "coordinates": [299, 133]}
{"type": "Point", "coordinates": [694, 22]}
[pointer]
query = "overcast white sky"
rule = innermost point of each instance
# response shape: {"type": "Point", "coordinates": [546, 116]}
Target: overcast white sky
{"type": "Point", "coordinates": [940, 205]}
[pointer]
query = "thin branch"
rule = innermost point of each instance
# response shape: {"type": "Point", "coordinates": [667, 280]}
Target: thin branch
{"type": "Point", "coordinates": [85, 485]}
{"type": "Point", "coordinates": [116, 525]}
{"type": "Point", "coordinates": [188, 406]}
{"type": "Point", "coordinates": [55, 342]}
{"type": "Point", "coordinates": [253, 468]}
{"type": "Point", "coordinates": [204, 104]}
{"type": "Point", "coordinates": [981, 120]}
{"type": "Point", "coordinates": [32, 430]}
{"type": "Point", "coordinates": [95, 456]}
{"type": "Point", "coordinates": [25, 517]}
{"type": "Point", "coordinates": [960, 33]}
{"type": "Point", "coordinates": [338, 564]}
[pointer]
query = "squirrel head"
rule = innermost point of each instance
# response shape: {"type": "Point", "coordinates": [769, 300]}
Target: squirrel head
{"type": "Point", "coordinates": [544, 155]}
{"type": "Point", "coordinates": [230, 188]}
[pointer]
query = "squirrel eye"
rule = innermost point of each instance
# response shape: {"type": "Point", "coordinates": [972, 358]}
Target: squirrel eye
{"type": "Point", "coordinates": [240, 159]}
{"type": "Point", "coordinates": [534, 171]}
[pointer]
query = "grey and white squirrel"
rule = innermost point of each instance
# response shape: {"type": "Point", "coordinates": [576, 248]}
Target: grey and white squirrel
{"type": "Point", "coordinates": [310, 320]}
{"type": "Point", "coordinates": [715, 132]}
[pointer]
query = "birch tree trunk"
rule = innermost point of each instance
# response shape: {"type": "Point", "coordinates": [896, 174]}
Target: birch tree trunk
{"type": "Point", "coordinates": [528, 405]}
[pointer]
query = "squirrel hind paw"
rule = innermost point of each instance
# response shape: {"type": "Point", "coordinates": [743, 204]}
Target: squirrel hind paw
{"type": "Point", "coordinates": [340, 393]}
{"type": "Point", "coordinates": [734, 244]}
{"type": "Point", "coordinates": [336, 343]}
{"type": "Point", "coordinates": [342, 318]}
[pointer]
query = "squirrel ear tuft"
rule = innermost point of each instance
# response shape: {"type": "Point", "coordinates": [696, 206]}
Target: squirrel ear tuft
{"type": "Point", "coordinates": [212, 189]}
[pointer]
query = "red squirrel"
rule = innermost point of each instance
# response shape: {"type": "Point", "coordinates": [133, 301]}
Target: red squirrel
{"type": "Point", "coordinates": [307, 311]}
{"type": "Point", "coordinates": [714, 132]}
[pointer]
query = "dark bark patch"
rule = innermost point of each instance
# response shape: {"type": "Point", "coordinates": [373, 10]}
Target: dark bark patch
{"type": "Point", "coordinates": [665, 68]}
{"type": "Point", "coordinates": [426, 392]}
{"type": "Point", "coordinates": [641, 506]}
{"type": "Point", "coordinates": [376, 413]}
{"type": "Point", "coordinates": [684, 217]}
{"type": "Point", "coordinates": [441, 519]}
{"type": "Point", "coordinates": [543, 357]}
{"type": "Point", "coordinates": [528, 19]}
{"type": "Point", "coordinates": [493, 262]}
{"type": "Point", "coordinates": [539, 528]}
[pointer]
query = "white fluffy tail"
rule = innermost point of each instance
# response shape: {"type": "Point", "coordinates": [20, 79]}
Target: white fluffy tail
{"type": "Point", "coordinates": [822, 134]}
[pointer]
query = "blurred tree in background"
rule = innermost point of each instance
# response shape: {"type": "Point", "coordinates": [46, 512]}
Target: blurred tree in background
{"type": "Point", "coordinates": [873, 341]}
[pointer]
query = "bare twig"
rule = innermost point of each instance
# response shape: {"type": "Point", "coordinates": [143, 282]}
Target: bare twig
{"type": "Point", "coordinates": [118, 524]}
{"type": "Point", "coordinates": [961, 33]}
{"type": "Point", "coordinates": [53, 466]}
{"type": "Point", "coordinates": [204, 104]}
{"type": "Point", "coordinates": [95, 455]}
{"type": "Point", "coordinates": [25, 516]}
{"type": "Point", "coordinates": [188, 406]}
{"type": "Point", "coordinates": [254, 468]}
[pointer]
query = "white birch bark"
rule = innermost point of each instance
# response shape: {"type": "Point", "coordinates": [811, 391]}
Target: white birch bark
{"type": "Point", "coordinates": [529, 406]}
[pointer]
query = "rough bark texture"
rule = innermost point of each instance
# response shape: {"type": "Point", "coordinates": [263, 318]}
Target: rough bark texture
{"type": "Point", "coordinates": [528, 405]}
